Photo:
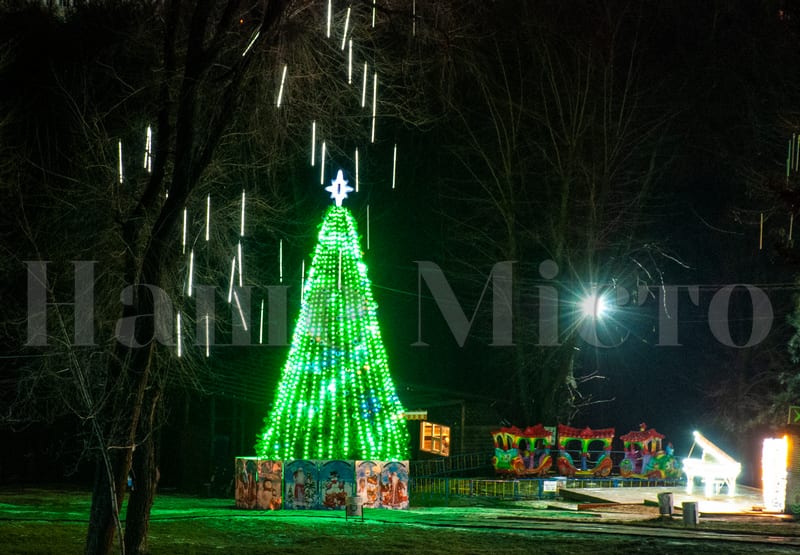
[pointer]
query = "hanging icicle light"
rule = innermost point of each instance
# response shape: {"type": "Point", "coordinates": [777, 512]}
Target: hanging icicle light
{"type": "Point", "coordinates": [283, 82]}
{"type": "Point", "coordinates": [346, 25]}
{"type": "Point", "coordinates": [119, 162]}
{"type": "Point", "coordinates": [374, 104]}
{"type": "Point", "coordinates": [241, 226]}
{"type": "Point", "coordinates": [280, 261]}
{"type": "Point", "coordinates": [148, 150]}
{"type": "Point", "coordinates": [394, 165]}
{"type": "Point", "coordinates": [364, 87]}
{"type": "Point", "coordinates": [241, 312]}
{"type": "Point", "coordinates": [230, 286]}
{"type": "Point", "coordinates": [208, 342]}
{"type": "Point", "coordinates": [191, 274]}
{"type": "Point", "coordinates": [350, 62]}
{"type": "Point", "coordinates": [208, 217]}
{"type": "Point", "coordinates": [178, 335]}
{"type": "Point", "coordinates": [261, 325]}
{"type": "Point", "coordinates": [322, 165]}
{"type": "Point", "coordinates": [330, 16]}
{"type": "Point", "coordinates": [313, 142]}
{"type": "Point", "coordinates": [356, 169]}
{"type": "Point", "coordinates": [183, 235]}
{"type": "Point", "coordinates": [241, 266]}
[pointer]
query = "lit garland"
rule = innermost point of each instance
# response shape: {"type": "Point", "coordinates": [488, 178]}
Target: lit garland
{"type": "Point", "coordinates": [336, 399]}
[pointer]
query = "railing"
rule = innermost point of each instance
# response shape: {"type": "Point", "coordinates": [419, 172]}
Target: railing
{"type": "Point", "coordinates": [529, 488]}
{"type": "Point", "coordinates": [457, 464]}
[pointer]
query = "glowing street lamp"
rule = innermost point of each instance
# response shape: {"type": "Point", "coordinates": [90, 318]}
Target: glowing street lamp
{"type": "Point", "coordinates": [595, 306]}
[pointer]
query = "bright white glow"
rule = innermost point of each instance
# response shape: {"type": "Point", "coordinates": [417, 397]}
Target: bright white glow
{"type": "Point", "coordinates": [350, 61]}
{"type": "Point", "coordinates": [774, 457]}
{"type": "Point", "coordinates": [208, 216]}
{"type": "Point", "coordinates": [241, 312]}
{"type": "Point", "coordinates": [394, 166]}
{"type": "Point", "coordinates": [328, 24]}
{"type": "Point", "coordinates": [280, 90]}
{"type": "Point", "coordinates": [715, 467]}
{"type": "Point", "coordinates": [241, 223]}
{"type": "Point", "coordinates": [179, 339]}
{"type": "Point", "coordinates": [280, 261]}
{"type": "Point", "coordinates": [322, 165]}
{"type": "Point", "coordinates": [368, 227]}
{"type": "Point", "coordinates": [356, 170]}
{"type": "Point", "coordinates": [230, 287]}
{"type": "Point", "coordinates": [302, 279]}
{"type": "Point", "coordinates": [373, 12]}
{"type": "Point", "coordinates": [374, 104]}
{"type": "Point", "coordinates": [346, 25]}
{"type": "Point", "coordinates": [183, 235]}
{"type": "Point", "coordinates": [594, 306]}
{"type": "Point", "coordinates": [208, 343]}
{"type": "Point", "coordinates": [251, 43]}
{"type": "Point", "coordinates": [261, 325]}
{"type": "Point", "coordinates": [191, 273]}
{"type": "Point", "coordinates": [241, 266]}
{"type": "Point", "coordinates": [364, 87]}
{"type": "Point", "coordinates": [119, 159]}
{"type": "Point", "coordinates": [339, 188]}
{"type": "Point", "coordinates": [313, 142]}
{"type": "Point", "coordinates": [148, 150]}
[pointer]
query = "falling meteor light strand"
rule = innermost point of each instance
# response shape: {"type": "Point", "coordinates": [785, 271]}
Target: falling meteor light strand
{"type": "Point", "coordinates": [346, 25]}
{"type": "Point", "coordinates": [230, 287]}
{"type": "Point", "coordinates": [251, 43]}
{"type": "Point", "coordinates": [280, 90]}
{"type": "Point", "coordinates": [322, 165]}
{"type": "Point", "coordinates": [119, 164]}
{"type": "Point", "coordinates": [261, 325]}
{"type": "Point", "coordinates": [183, 235]}
{"type": "Point", "coordinates": [328, 24]}
{"type": "Point", "coordinates": [241, 267]}
{"type": "Point", "coordinates": [241, 226]}
{"type": "Point", "coordinates": [280, 261]}
{"type": "Point", "coordinates": [191, 273]}
{"type": "Point", "coordinates": [313, 142]}
{"type": "Point", "coordinates": [364, 87]}
{"type": "Point", "coordinates": [148, 150]}
{"type": "Point", "coordinates": [179, 340]}
{"type": "Point", "coordinates": [241, 312]}
{"type": "Point", "coordinates": [374, 104]}
{"type": "Point", "coordinates": [208, 217]}
{"type": "Point", "coordinates": [350, 62]}
{"type": "Point", "coordinates": [356, 170]}
{"type": "Point", "coordinates": [394, 166]}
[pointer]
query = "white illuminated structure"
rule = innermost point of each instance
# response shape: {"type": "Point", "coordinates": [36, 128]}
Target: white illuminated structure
{"type": "Point", "coordinates": [715, 467]}
{"type": "Point", "coordinates": [774, 464]}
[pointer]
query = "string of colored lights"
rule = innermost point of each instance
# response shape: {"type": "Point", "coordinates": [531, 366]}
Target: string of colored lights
{"type": "Point", "coordinates": [336, 398]}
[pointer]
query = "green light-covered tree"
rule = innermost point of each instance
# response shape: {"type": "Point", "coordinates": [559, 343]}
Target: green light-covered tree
{"type": "Point", "coordinates": [336, 398]}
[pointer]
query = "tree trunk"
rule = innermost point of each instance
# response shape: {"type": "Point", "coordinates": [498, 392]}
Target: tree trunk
{"type": "Point", "coordinates": [146, 475]}
{"type": "Point", "coordinates": [106, 501]}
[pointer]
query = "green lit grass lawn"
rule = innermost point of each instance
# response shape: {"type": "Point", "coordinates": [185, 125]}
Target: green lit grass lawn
{"type": "Point", "coordinates": [54, 521]}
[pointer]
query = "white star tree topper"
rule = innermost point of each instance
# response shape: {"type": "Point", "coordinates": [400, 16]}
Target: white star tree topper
{"type": "Point", "coordinates": [339, 188]}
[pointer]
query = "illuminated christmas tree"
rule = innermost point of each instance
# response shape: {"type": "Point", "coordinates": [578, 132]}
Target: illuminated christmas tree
{"type": "Point", "coordinates": [336, 399]}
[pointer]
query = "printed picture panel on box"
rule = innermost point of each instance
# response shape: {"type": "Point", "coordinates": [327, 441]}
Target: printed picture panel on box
{"type": "Point", "coordinates": [268, 495]}
{"type": "Point", "coordinates": [337, 483]}
{"type": "Point", "coordinates": [394, 485]}
{"type": "Point", "coordinates": [246, 482]}
{"type": "Point", "coordinates": [368, 477]}
{"type": "Point", "coordinates": [301, 479]}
